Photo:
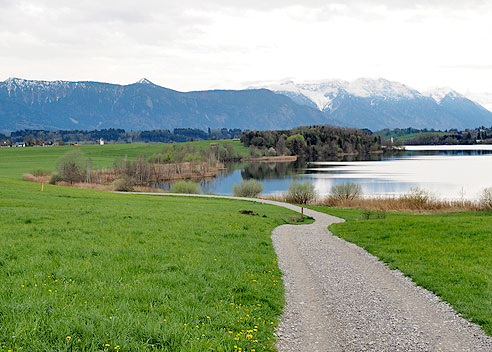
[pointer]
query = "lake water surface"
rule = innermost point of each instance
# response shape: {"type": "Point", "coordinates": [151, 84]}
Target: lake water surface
{"type": "Point", "coordinates": [450, 172]}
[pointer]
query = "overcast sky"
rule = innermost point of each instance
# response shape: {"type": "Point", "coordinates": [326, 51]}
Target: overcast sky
{"type": "Point", "coordinates": [203, 44]}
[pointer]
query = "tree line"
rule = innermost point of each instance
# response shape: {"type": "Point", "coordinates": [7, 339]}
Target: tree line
{"type": "Point", "coordinates": [313, 142]}
{"type": "Point", "coordinates": [116, 135]}
{"type": "Point", "coordinates": [432, 137]}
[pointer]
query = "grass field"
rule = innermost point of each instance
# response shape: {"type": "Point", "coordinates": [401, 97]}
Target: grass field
{"type": "Point", "coordinates": [449, 254]}
{"type": "Point", "coordinates": [84, 270]}
{"type": "Point", "coordinates": [407, 136]}
{"type": "Point", "coordinates": [16, 161]}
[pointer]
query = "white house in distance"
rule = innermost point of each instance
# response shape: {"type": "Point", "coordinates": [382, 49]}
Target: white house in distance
{"type": "Point", "coordinates": [101, 141]}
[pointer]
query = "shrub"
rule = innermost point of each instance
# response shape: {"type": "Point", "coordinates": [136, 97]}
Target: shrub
{"type": "Point", "coordinates": [486, 198]}
{"type": "Point", "coordinates": [250, 188]}
{"type": "Point", "coordinates": [41, 172]}
{"type": "Point", "coordinates": [185, 187]}
{"type": "Point", "coordinates": [72, 166]}
{"type": "Point", "coordinates": [124, 184]}
{"type": "Point", "coordinates": [254, 152]}
{"type": "Point", "coordinates": [418, 198]}
{"type": "Point", "coordinates": [300, 193]}
{"type": "Point", "coordinates": [55, 179]}
{"type": "Point", "coordinates": [346, 191]}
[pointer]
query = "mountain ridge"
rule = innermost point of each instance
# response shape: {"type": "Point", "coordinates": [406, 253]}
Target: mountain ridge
{"type": "Point", "coordinates": [144, 105]}
{"type": "Point", "coordinates": [362, 103]}
{"type": "Point", "coordinates": [380, 103]}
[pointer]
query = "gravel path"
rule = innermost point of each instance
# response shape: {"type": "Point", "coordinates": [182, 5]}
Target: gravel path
{"type": "Point", "coordinates": [341, 298]}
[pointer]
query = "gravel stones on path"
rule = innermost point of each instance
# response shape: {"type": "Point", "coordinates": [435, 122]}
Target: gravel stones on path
{"type": "Point", "coordinates": [341, 298]}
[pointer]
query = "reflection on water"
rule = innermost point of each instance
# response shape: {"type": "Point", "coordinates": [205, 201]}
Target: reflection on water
{"type": "Point", "coordinates": [449, 173]}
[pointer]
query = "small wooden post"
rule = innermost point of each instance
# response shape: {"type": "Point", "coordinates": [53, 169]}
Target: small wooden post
{"type": "Point", "coordinates": [302, 213]}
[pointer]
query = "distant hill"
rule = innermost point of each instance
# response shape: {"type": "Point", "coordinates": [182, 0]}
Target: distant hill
{"type": "Point", "coordinates": [378, 104]}
{"type": "Point", "coordinates": [27, 104]}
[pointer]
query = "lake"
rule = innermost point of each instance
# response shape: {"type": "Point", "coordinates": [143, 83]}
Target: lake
{"type": "Point", "coordinates": [450, 172]}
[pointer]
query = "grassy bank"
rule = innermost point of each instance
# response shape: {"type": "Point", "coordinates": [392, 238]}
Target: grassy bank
{"type": "Point", "coordinates": [449, 254]}
{"type": "Point", "coordinates": [87, 270]}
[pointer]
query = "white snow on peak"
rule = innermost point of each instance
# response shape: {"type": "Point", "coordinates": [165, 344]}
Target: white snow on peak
{"type": "Point", "coordinates": [144, 81]}
{"type": "Point", "coordinates": [366, 87]}
{"type": "Point", "coordinates": [438, 94]}
{"type": "Point", "coordinates": [322, 93]}
{"type": "Point", "coordinates": [15, 83]}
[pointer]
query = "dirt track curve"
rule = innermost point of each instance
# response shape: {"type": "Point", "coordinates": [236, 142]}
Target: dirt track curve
{"type": "Point", "coordinates": [341, 298]}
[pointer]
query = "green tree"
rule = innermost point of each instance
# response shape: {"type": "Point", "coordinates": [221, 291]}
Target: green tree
{"type": "Point", "coordinates": [296, 144]}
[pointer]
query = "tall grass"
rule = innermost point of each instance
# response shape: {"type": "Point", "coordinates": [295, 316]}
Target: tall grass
{"type": "Point", "coordinates": [417, 199]}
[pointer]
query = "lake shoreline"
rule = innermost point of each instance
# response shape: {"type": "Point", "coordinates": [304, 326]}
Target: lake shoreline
{"type": "Point", "coordinates": [278, 158]}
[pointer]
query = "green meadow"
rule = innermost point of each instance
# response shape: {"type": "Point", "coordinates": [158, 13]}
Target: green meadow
{"type": "Point", "coordinates": [448, 254]}
{"type": "Point", "coordinates": [85, 270]}
{"type": "Point", "coordinates": [16, 161]}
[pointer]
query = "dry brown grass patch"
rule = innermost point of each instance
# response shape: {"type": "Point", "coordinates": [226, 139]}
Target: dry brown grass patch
{"type": "Point", "coordinates": [403, 204]}
{"type": "Point", "coordinates": [38, 179]}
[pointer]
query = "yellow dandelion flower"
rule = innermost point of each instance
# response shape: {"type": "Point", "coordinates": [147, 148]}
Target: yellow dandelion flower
{"type": "Point", "coordinates": [69, 337]}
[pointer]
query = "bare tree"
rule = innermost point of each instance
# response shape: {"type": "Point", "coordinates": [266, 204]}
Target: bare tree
{"type": "Point", "coordinates": [72, 166]}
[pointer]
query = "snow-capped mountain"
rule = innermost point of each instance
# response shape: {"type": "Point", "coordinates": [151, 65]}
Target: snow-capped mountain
{"type": "Point", "coordinates": [323, 93]}
{"type": "Point", "coordinates": [379, 103]}
{"type": "Point", "coordinates": [144, 105]}
{"type": "Point", "coordinates": [438, 94]}
{"type": "Point", "coordinates": [364, 103]}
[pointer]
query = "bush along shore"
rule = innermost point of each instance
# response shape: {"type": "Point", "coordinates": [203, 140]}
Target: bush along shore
{"type": "Point", "coordinates": [350, 195]}
{"type": "Point", "coordinates": [173, 162]}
